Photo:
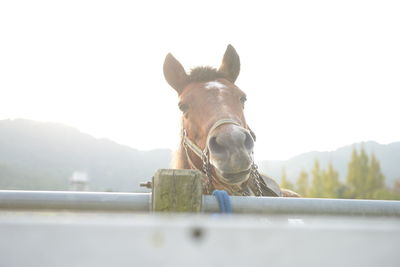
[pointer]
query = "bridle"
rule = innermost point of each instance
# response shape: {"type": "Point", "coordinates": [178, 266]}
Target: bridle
{"type": "Point", "coordinates": [260, 187]}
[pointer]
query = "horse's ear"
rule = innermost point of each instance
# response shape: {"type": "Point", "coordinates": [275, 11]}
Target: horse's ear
{"type": "Point", "coordinates": [230, 64]}
{"type": "Point", "coordinates": [174, 73]}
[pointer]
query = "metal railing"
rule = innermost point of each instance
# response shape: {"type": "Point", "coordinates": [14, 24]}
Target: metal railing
{"type": "Point", "coordinates": [141, 202]}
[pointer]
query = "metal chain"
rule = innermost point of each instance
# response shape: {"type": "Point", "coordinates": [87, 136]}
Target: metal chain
{"type": "Point", "coordinates": [256, 175]}
{"type": "Point", "coordinates": [207, 171]}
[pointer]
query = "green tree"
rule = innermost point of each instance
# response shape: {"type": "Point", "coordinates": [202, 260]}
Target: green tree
{"type": "Point", "coordinates": [331, 182]}
{"type": "Point", "coordinates": [285, 183]}
{"type": "Point", "coordinates": [357, 174]}
{"type": "Point", "coordinates": [375, 179]}
{"type": "Point", "coordinates": [317, 184]}
{"type": "Point", "coordinates": [362, 191]}
{"type": "Point", "coordinates": [352, 174]}
{"type": "Point", "coordinates": [302, 184]}
{"type": "Point", "coordinates": [364, 177]}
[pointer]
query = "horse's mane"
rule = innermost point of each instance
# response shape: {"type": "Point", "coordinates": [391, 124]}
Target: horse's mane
{"type": "Point", "coordinates": [205, 74]}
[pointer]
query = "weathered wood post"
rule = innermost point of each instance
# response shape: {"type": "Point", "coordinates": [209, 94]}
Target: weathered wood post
{"type": "Point", "coordinates": [177, 191]}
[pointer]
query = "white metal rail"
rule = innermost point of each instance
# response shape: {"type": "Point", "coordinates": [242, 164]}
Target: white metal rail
{"type": "Point", "coordinates": [140, 202]}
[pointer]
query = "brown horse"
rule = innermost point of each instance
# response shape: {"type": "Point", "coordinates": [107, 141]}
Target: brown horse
{"type": "Point", "coordinates": [215, 136]}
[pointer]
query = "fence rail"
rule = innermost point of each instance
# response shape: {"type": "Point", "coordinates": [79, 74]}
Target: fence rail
{"type": "Point", "coordinates": [141, 202]}
{"type": "Point", "coordinates": [113, 231]}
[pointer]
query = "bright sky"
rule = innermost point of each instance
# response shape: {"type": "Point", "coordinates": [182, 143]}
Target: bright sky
{"type": "Point", "coordinates": [318, 74]}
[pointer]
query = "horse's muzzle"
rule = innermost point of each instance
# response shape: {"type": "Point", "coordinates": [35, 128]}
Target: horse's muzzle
{"type": "Point", "coordinates": [231, 152]}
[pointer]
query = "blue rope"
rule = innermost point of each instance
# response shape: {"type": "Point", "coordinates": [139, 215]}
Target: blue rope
{"type": "Point", "coordinates": [224, 201]}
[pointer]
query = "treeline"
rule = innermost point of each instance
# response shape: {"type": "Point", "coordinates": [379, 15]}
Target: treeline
{"type": "Point", "coordinates": [364, 180]}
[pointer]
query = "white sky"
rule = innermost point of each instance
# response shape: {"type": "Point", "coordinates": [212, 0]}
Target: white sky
{"type": "Point", "coordinates": [318, 74]}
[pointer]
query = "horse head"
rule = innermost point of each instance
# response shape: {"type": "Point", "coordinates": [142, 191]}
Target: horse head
{"type": "Point", "coordinates": [215, 136]}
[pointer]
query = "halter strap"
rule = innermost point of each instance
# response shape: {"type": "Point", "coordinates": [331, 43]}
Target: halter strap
{"type": "Point", "coordinates": [203, 152]}
{"type": "Point", "coordinates": [219, 123]}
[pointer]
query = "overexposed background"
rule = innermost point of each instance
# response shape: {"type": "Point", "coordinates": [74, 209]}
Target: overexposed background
{"type": "Point", "coordinates": [318, 74]}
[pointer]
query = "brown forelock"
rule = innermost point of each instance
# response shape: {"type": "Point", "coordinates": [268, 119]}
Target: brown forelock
{"type": "Point", "coordinates": [205, 74]}
{"type": "Point", "coordinates": [207, 106]}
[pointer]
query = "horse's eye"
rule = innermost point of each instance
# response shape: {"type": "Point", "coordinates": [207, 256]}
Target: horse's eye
{"type": "Point", "coordinates": [243, 99]}
{"type": "Point", "coordinates": [183, 107]}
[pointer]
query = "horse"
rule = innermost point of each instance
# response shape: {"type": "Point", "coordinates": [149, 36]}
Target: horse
{"type": "Point", "coordinates": [215, 137]}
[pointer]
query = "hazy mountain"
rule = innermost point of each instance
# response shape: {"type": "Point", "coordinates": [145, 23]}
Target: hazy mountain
{"type": "Point", "coordinates": [43, 156]}
{"type": "Point", "coordinates": [388, 155]}
{"type": "Point", "coordinates": [37, 155]}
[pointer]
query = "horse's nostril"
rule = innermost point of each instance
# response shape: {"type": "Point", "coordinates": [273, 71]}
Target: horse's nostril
{"type": "Point", "coordinates": [249, 142]}
{"type": "Point", "coordinates": [214, 146]}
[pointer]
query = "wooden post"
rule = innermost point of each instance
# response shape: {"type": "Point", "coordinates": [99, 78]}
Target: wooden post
{"type": "Point", "coordinates": [177, 191]}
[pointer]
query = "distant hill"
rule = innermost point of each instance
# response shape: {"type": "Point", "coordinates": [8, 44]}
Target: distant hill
{"type": "Point", "coordinates": [388, 155]}
{"type": "Point", "coordinates": [43, 156]}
